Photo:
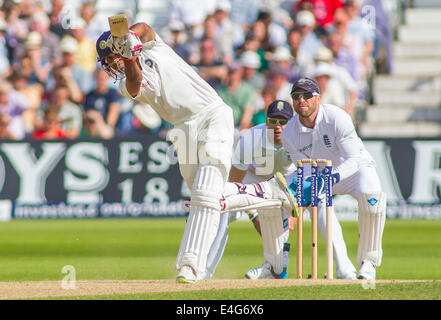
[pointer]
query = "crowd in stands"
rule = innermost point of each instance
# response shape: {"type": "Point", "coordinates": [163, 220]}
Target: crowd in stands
{"type": "Point", "coordinates": [250, 51]}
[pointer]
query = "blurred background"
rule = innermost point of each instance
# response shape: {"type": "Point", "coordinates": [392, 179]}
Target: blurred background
{"type": "Point", "coordinates": [68, 135]}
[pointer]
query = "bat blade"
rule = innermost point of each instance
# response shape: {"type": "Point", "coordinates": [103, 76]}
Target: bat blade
{"type": "Point", "coordinates": [119, 25]}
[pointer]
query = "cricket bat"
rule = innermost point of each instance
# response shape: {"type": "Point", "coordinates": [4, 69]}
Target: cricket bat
{"type": "Point", "coordinates": [119, 25]}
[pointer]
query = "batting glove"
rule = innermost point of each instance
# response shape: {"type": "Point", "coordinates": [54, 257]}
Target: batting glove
{"type": "Point", "coordinates": [129, 46]}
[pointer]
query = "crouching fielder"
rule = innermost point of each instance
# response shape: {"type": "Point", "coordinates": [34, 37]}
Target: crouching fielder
{"type": "Point", "coordinates": [326, 131]}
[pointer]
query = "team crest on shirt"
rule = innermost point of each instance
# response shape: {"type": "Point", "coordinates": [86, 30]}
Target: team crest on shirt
{"type": "Point", "coordinates": [149, 63]}
{"type": "Point", "coordinates": [326, 141]}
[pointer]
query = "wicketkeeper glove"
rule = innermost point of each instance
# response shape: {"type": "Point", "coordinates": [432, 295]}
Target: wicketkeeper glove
{"type": "Point", "coordinates": [129, 46]}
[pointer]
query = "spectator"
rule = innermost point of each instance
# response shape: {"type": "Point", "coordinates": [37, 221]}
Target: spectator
{"type": "Point", "coordinates": [250, 61]}
{"type": "Point", "coordinates": [71, 74]}
{"type": "Point", "coordinates": [95, 24]}
{"type": "Point", "coordinates": [40, 66]}
{"type": "Point", "coordinates": [268, 96]}
{"type": "Point", "coordinates": [358, 40]}
{"type": "Point", "coordinates": [95, 126]}
{"type": "Point", "coordinates": [310, 40]}
{"type": "Point", "coordinates": [13, 104]}
{"type": "Point", "coordinates": [228, 35]}
{"type": "Point", "coordinates": [85, 55]}
{"type": "Point", "coordinates": [174, 35]}
{"type": "Point", "coordinates": [4, 62]}
{"type": "Point", "coordinates": [283, 59]}
{"type": "Point", "coordinates": [56, 17]}
{"type": "Point", "coordinates": [275, 33]}
{"type": "Point", "coordinates": [16, 30]}
{"type": "Point", "coordinates": [341, 56]}
{"type": "Point", "coordinates": [383, 37]}
{"type": "Point", "coordinates": [323, 10]}
{"type": "Point", "coordinates": [5, 133]}
{"type": "Point", "coordinates": [192, 13]}
{"type": "Point", "coordinates": [210, 67]}
{"type": "Point", "coordinates": [145, 120]}
{"type": "Point", "coordinates": [40, 22]}
{"type": "Point", "coordinates": [69, 113]}
{"type": "Point", "coordinates": [253, 43]}
{"type": "Point", "coordinates": [302, 61]}
{"type": "Point", "coordinates": [331, 90]}
{"type": "Point", "coordinates": [33, 93]}
{"type": "Point", "coordinates": [104, 99]}
{"type": "Point", "coordinates": [244, 13]}
{"type": "Point", "coordinates": [240, 96]}
{"type": "Point", "coordinates": [51, 127]}
{"type": "Point", "coordinates": [279, 80]}
{"type": "Point", "coordinates": [341, 75]}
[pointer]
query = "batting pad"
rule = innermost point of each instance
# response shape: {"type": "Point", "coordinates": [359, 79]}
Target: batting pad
{"type": "Point", "coordinates": [203, 219]}
{"type": "Point", "coordinates": [274, 235]}
{"type": "Point", "coordinates": [371, 220]}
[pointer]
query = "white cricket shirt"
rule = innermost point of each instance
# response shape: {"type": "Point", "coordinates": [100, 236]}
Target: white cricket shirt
{"type": "Point", "coordinates": [333, 137]}
{"type": "Point", "coordinates": [256, 153]}
{"type": "Point", "coordinates": [170, 85]}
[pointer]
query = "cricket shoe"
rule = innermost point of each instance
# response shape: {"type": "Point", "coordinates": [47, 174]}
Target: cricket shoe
{"type": "Point", "coordinates": [186, 275]}
{"type": "Point", "coordinates": [367, 270]}
{"type": "Point", "coordinates": [347, 275]}
{"type": "Point", "coordinates": [265, 271]}
{"type": "Point", "coordinates": [278, 188]}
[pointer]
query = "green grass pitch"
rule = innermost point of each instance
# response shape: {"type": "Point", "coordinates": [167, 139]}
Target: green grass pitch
{"type": "Point", "coordinates": [129, 249]}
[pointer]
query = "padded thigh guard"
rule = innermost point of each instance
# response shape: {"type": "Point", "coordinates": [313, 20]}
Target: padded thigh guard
{"type": "Point", "coordinates": [275, 232]}
{"type": "Point", "coordinates": [371, 220]}
{"type": "Point", "coordinates": [203, 219]}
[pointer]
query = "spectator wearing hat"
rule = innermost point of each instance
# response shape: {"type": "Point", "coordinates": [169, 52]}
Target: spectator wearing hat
{"type": "Point", "coordinates": [40, 66]}
{"type": "Point", "coordinates": [72, 75]}
{"type": "Point", "coordinates": [210, 67]}
{"type": "Point", "coordinates": [40, 23]}
{"type": "Point", "coordinates": [13, 104]}
{"type": "Point", "coordinates": [339, 78]}
{"type": "Point", "coordinates": [239, 95]}
{"type": "Point", "coordinates": [283, 59]}
{"type": "Point", "coordinates": [104, 99]}
{"type": "Point", "coordinates": [174, 35]}
{"type": "Point", "coordinates": [228, 35]}
{"type": "Point", "coordinates": [311, 42]}
{"type": "Point", "coordinates": [85, 55]}
{"type": "Point", "coordinates": [250, 61]}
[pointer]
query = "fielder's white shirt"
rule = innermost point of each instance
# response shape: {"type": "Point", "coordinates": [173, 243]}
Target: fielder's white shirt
{"type": "Point", "coordinates": [333, 137]}
{"type": "Point", "coordinates": [170, 85]}
{"type": "Point", "coordinates": [256, 153]}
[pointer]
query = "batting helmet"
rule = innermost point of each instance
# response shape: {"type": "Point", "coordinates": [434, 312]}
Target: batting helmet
{"type": "Point", "coordinates": [103, 50]}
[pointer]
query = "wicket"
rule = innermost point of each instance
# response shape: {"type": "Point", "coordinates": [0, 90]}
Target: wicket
{"type": "Point", "coordinates": [314, 204]}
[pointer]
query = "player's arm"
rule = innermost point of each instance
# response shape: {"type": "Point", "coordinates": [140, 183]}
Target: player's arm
{"type": "Point", "coordinates": [144, 32]}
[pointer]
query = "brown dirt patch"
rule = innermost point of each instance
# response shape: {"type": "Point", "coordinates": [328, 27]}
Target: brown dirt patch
{"type": "Point", "coordinates": [48, 289]}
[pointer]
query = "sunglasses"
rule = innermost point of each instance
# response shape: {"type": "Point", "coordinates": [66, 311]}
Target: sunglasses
{"type": "Point", "coordinates": [304, 95]}
{"type": "Point", "coordinates": [281, 122]}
